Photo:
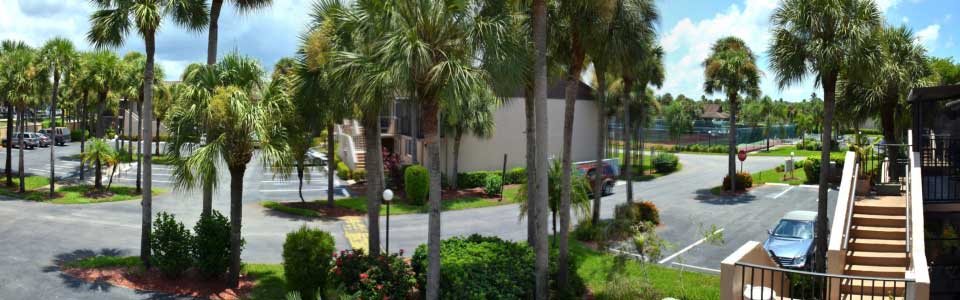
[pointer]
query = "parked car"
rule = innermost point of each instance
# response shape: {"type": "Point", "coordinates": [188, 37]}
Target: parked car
{"type": "Point", "coordinates": [791, 241]}
{"type": "Point", "coordinates": [315, 158]}
{"type": "Point", "coordinates": [608, 177]}
{"type": "Point", "coordinates": [60, 134]}
{"type": "Point", "coordinates": [30, 140]}
{"type": "Point", "coordinates": [42, 139]}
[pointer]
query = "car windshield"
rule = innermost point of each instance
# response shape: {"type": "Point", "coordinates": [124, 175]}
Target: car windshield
{"type": "Point", "coordinates": [794, 229]}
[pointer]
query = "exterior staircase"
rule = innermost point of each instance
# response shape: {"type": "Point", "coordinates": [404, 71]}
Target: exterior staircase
{"type": "Point", "coordinates": [877, 247]}
{"type": "Point", "coordinates": [361, 147]}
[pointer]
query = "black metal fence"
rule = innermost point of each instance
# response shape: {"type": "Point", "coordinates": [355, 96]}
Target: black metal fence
{"type": "Point", "coordinates": [763, 282]}
{"type": "Point", "coordinates": [886, 163]}
{"type": "Point", "coordinates": [940, 164]}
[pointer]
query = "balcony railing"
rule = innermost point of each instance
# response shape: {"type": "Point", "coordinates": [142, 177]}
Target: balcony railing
{"type": "Point", "coordinates": [763, 282]}
{"type": "Point", "coordinates": [940, 162]}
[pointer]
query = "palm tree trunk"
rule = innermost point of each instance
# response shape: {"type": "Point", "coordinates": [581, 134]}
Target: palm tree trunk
{"type": "Point", "coordinates": [732, 152]}
{"type": "Point", "coordinates": [101, 103]}
{"type": "Point", "coordinates": [627, 138]}
{"type": "Point", "coordinates": [83, 129]}
{"type": "Point", "coordinates": [215, 8]}
{"type": "Point", "coordinates": [829, 102]}
{"type": "Point", "coordinates": [430, 118]}
{"type": "Point", "coordinates": [53, 125]}
{"type": "Point", "coordinates": [236, 215]}
{"type": "Point", "coordinates": [331, 165]}
{"type": "Point", "coordinates": [147, 159]}
{"type": "Point", "coordinates": [457, 137]}
{"type": "Point", "coordinates": [374, 167]}
{"type": "Point", "coordinates": [129, 130]}
{"type": "Point", "coordinates": [10, 125]}
{"type": "Point", "coordinates": [139, 146]}
{"type": "Point", "coordinates": [300, 180]}
{"type": "Point", "coordinates": [530, 109]}
{"type": "Point", "coordinates": [600, 71]}
{"type": "Point", "coordinates": [98, 178]}
{"type": "Point", "coordinates": [573, 83]}
{"type": "Point", "coordinates": [541, 249]}
{"type": "Point", "coordinates": [157, 150]}
{"type": "Point", "coordinates": [23, 125]}
{"type": "Point", "coordinates": [890, 132]}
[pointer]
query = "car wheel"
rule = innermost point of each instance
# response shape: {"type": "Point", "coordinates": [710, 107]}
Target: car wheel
{"type": "Point", "coordinates": [608, 189]}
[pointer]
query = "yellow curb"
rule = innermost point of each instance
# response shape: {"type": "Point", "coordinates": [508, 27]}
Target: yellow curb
{"type": "Point", "coordinates": [356, 232]}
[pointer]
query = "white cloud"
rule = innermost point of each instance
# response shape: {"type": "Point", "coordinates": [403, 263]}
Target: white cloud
{"type": "Point", "coordinates": [905, 20]}
{"type": "Point", "coordinates": [929, 35]}
{"type": "Point", "coordinates": [885, 5]}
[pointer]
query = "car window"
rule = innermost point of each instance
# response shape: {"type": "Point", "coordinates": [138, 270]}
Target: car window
{"type": "Point", "coordinates": [794, 229]}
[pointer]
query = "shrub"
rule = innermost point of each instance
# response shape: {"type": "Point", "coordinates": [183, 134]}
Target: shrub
{"type": "Point", "coordinates": [358, 175]}
{"type": "Point", "coordinates": [744, 181]}
{"type": "Point", "coordinates": [516, 175]}
{"type": "Point", "coordinates": [638, 212]}
{"type": "Point", "coordinates": [170, 244]}
{"type": "Point", "coordinates": [343, 171]}
{"type": "Point", "coordinates": [393, 170]}
{"type": "Point", "coordinates": [605, 230]}
{"type": "Point", "coordinates": [416, 184]}
{"type": "Point", "coordinates": [471, 180]}
{"type": "Point", "coordinates": [307, 255]}
{"type": "Point", "coordinates": [211, 245]}
{"type": "Point", "coordinates": [811, 167]}
{"type": "Point", "coordinates": [374, 276]}
{"type": "Point", "coordinates": [779, 168]}
{"type": "Point", "coordinates": [493, 185]}
{"type": "Point", "coordinates": [75, 135]}
{"type": "Point", "coordinates": [623, 287]}
{"type": "Point", "coordinates": [479, 267]}
{"type": "Point", "coordinates": [665, 162]}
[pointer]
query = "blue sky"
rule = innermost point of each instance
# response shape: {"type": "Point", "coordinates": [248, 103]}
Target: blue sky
{"type": "Point", "coordinates": [687, 29]}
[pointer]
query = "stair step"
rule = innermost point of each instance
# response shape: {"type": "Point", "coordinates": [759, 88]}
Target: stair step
{"type": "Point", "coordinates": [879, 220]}
{"type": "Point", "coordinates": [889, 259]}
{"type": "Point", "coordinates": [868, 297]}
{"type": "Point", "coordinates": [866, 289]}
{"type": "Point", "coordinates": [882, 233]}
{"type": "Point", "coordinates": [877, 245]}
{"type": "Point", "coordinates": [875, 271]}
{"type": "Point", "coordinates": [887, 210]}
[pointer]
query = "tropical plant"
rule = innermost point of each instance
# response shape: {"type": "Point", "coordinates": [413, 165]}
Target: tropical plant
{"type": "Point", "coordinates": [732, 69]}
{"type": "Point", "coordinates": [59, 56]}
{"type": "Point", "coordinates": [580, 201]}
{"type": "Point", "coordinates": [24, 82]}
{"type": "Point", "coordinates": [679, 116]}
{"type": "Point", "coordinates": [474, 117]}
{"type": "Point", "coordinates": [298, 129]}
{"type": "Point", "coordinates": [823, 38]}
{"type": "Point", "coordinates": [307, 259]}
{"type": "Point", "coordinates": [99, 154]}
{"type": "Point", "coordinates": [10, 52]}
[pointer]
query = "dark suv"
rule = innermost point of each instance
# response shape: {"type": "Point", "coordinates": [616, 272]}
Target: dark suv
{"type": "Point", "coordinates": [608, 178]}
{"type": "Point", "coordinates": [55, 135]}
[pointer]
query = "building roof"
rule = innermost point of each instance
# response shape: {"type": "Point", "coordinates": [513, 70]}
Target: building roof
{"type": "Point", "coordinates": [556, 89]}
{"type": "Point", "coordinates": [714, 111]}
{"type": "Point", "coordinates": [935, 93]}
{"type": "Point", "coordinates": [801, 215]}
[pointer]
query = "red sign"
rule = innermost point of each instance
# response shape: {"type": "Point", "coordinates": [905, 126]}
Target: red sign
{"type": "Point", "coordinates": [742, 155]}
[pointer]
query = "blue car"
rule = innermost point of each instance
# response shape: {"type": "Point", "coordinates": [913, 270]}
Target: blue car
{"type": "Point", "coordinates": [791, 242]}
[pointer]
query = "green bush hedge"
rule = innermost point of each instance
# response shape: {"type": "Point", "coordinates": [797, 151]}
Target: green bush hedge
{"type": "Point", "coordinates": [744, 181]}
{"type": "Point", "coordinates": [516, 175]}
{"type": "Point", "coordinates": [358, 175]}
{"type": "Point", "coordinates": [811, 167]}
{"type": "Point", "coordinates": [211, 244]}
{"type": "Point", "coordinates": [416, 184]}
{"type": "Point", "coordinates": [170, 244]}
{"type": "Point", "coordinates": [493, 185]}
{"type": "Point", "coordinates": [605, 230]}
{"type": "Point", "coordinates": [471, 180]}
{"type": "Point", "coordinates": [638, 212]}
{"type": "Point", "coordinates": [698, 148]}
{"type": "Point", "coordinates": [343, 171]}
{"type": "Point", "coordinates": [374, 276]}
{"type": "Point", "coordinates": [75, 135]}
{"type": "Point", "coordinates": [665, 162]}
{"type": "Point", "coordinates": [479, 267]}
{"type": "Point", "coordinates": [307, 255]}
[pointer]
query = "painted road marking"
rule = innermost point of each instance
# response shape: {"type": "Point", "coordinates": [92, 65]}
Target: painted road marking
{"type": "Point", "coordinates": [696, 267]}
{"type": "Point", "coordinates": [355, 231]}
{"type": "Point", "coordinates": [665, 260]}
{"type": "Point", "coordinates": [293, 190]}
{"type": "Point", "coordinates": [783, 192]}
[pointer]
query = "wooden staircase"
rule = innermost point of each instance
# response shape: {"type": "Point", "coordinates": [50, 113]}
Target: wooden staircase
{"type": "Point", "coordinates": [877, 247]}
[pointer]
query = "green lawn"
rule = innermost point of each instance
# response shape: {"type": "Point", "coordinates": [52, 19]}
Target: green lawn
{"type": "Point", "coordinates": [597, 268]}
{"type": "Point", "coordinates": [772, 176]}
{"type": "Point", "coordinates": [74, 194]}
{"type": "Point", "coordinates": [30, 182]}
{"type": "Point", "coordinates": [359, 204]}
{"type": "Point", "coordinates": [785, 151]}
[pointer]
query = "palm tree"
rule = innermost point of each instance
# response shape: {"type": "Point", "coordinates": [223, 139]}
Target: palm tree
{"type": "Point", "coordinates": [7, 73]}
{"type": "Point", "coordinates": [99, 154]}
{"type": "Point", "coordinates": [732, 69]}
{"type": "Point", "coordinates": [299, 130]}
{"type": "Point", "coordinates": [161, 109]}
{"type": "Point", "coordinates": [580, 201]}
{"type": "Point", "coordinates": [135, 63]}
{"type": "Point", "coordinates": [539, 20]}
{"type": "Point", "coordinates": [59, 55]}
{"type": "Point", "coordinates": [23, 80]}
{"type": "Point", "coordinates": [822, 37]}
{"type": "Point", "coordinates": [110, 24]}
{"type": "Point", "coordinates": [215, 7]}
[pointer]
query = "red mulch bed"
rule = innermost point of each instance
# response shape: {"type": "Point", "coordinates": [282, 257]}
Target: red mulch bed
{"type": "Point", "coordinates": [189, 284]}
{"type": "Point", "coordinates": [321, 207]}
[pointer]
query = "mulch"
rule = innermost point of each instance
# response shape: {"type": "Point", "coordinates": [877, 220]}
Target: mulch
{"type": "Point", "coordinates": [321, 207]}
{"type": "Point", "coordinates": [190, 284]}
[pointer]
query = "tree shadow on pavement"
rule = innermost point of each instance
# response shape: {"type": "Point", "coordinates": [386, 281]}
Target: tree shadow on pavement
{"type": "Point", "coordinates": [707, 196]}
{"type": "Point", "coordinates": [77, 283]}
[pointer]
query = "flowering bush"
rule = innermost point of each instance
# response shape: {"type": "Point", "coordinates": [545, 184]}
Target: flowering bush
{"type": "Point", "coordinates": [374, 276]}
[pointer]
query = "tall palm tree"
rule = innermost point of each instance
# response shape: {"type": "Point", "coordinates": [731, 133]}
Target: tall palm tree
{"type": "Point", "coordinates": [135, 63]}
{"type": "Point", "coordinates": [23, 76]}
{"type": "Point", "coordinates": [298, 125]}
{"type": "Point", "coordinates": [161, 109]}
{"type": "Point", "coordinates": [732, 69]}
{"type": "Point", "coordinates": [822, 37]}
{"type": "Point", "coordinates": [110, 25]}
{"type": "Point", "coordinates": [475, 118]}
{"type": "Point", "coordinates": [215, 7]}
{"type": "Point", "coordinates": [7, 73]}
{"type": "Point", "coordinates": [539, 20]}
{"type": "Point", "coordinates": [59, 55]}
{"type": "Point", "coordinates": [98, 155]}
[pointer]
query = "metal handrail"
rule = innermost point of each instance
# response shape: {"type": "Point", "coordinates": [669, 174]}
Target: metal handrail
{"type": "Point", "coordinates": [853, 197]}
{"type": "Point", "coordinates": [829, 275]}
{"type": "Point", "coordinates": [909, 216]}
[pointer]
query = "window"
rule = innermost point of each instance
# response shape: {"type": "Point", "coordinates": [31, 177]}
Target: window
{"type": "Point", "coordinates": [794, 229]}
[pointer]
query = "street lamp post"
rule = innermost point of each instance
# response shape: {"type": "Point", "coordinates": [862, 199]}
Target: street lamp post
{"type": "Point", "coordinates": [387, 197]}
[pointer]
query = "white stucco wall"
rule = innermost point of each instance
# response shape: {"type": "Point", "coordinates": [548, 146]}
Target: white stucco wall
{"type": "Point", "coordinates": [510, 137]}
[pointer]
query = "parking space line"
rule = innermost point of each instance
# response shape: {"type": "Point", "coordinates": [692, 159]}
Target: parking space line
{"type": "Point", "coordinates": [783, 192]}
{"type": "Point", "coordinates": [696, 267]}
{"type": "Point", "coordinates": [294, 190]}
{"type": "Point", "coordinates": [665, 260]}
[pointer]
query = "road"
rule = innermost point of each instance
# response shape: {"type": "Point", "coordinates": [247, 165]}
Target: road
{"type": "Point", "coordinates": [35, 236]}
